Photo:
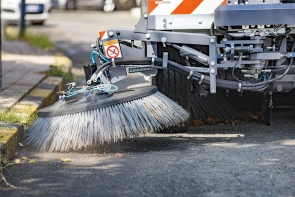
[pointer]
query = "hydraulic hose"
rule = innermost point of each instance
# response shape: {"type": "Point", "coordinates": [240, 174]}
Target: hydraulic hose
{"type": "Point", "coordinates": [234, 85]}
{"type": "Point", "coordinates": [282, 75]}
{"type": "Point", "coordinates": [147, 61]}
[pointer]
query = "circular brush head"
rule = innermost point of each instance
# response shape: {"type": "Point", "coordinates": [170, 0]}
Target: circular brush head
{"type": "Point", "coordinates": [102, 118]}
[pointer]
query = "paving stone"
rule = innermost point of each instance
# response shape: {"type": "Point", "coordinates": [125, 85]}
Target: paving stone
{"type": "Point", "coordinates": [12, 77]}
{"type": "Point", "coordinates": [21, 88]}
{"type": "Point", "coordinates": [30, 78]}
{"type": "Point", "coordinates": [24, 67]}
{"type": "Point", "coordinates": [9, 98]}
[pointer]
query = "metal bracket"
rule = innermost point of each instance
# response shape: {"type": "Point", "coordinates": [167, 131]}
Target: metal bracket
{"type": "Point", "coordinates": [113, 62]}
{"type": "Point", "coordinates": [153, 61]}
{"type": "Point", "coordinates": [240, 87]}
{"type": "Point", "coordinates": [213, 66]}
{"type": "Point", "coordinates": [142, 24]}
{"type": "Point", "coordinates": [190, 74]}
{"type": "Point", "coordinates": [201, 80]}
{"type": "Point", "coordinates": [165, 60]}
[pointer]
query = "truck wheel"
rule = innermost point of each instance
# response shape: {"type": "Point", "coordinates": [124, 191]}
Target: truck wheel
{"type": "Point", "coordinates": [37, 22]}
{"type": "Point", "coordinates": [124, 4]}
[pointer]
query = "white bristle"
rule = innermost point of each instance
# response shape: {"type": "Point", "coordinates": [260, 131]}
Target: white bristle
{"type": "Point", "coordinates": [108, 124]}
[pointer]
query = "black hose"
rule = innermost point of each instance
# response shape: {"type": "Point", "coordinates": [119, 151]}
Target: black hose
{"type": "Point", "coordinates": [98, 48]}
{"type": "Point", "coordinates": [282, 75]}
{"type": "Point", "coordinates": [195, 76]}
{"type": "Point", "coordinates": [147, 61]}
{"type": "Point", "coordinates": [212, 29]}
{"type": "Point", "coordinates": [230, 35]}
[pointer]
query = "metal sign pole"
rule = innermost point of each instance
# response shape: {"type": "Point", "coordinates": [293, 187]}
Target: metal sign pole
{"type": "Point", "coordinates": [22, 24]}
{"type": "Point", "coordinates": [0, 47]}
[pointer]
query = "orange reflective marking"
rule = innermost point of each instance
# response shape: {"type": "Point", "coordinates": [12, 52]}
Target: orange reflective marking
{"type": "Point", "coordinates": [152, 5]}
{"type": "Point", "coordinates": [187, 6]}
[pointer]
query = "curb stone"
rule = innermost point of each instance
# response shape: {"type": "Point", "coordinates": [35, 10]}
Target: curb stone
{"type": "Point", "coordinates": [9, 136]}
{"type": "Point", "coordinates": [42, 95]}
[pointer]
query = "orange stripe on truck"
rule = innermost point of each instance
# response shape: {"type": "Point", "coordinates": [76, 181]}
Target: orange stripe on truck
{"type": "Point", "coordinates": [187, 6]}
{"type": "Point", "coordinates": [184, 7]}
{"type": "Point", "coordinates": [152, 4]}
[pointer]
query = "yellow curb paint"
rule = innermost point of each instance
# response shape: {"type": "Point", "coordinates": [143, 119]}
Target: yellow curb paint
{"type": "Point", "coordinates": [53, 80]}
{"type": "Point", "coordinates": [24, 110]}
{"type": "Point", "coordinates": [47, 94]}
{"type": "Point", "coordinates": [66, 70]}
{"type": "Point", "coordinates": [61, 61]}
{"type": "Point", "coordinates": [8, 136]}
{"type": "Point", "coordinates": [58, 81]}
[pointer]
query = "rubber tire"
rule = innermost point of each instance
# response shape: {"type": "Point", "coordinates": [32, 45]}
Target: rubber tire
{"type": "Point", "coordinates": [38, 22]}
{"type": "Point", "coordinates": [124, 4]}
{"type": "Point", "coordinates": [77, 105]}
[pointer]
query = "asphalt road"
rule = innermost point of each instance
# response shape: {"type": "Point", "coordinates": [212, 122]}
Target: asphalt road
{"type": "Point", "coordinates": [246, 159]}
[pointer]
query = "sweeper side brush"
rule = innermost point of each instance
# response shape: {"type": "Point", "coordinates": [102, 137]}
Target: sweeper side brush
{"type": "Point", "coordinates": [102, 117]}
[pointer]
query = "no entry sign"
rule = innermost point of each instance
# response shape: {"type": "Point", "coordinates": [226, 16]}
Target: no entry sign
{"type": "Point", "coordinates": [112, 49]}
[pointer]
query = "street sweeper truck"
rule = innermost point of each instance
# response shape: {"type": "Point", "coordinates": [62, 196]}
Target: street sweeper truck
{"type": "Point", "coordinates": [185, 48]}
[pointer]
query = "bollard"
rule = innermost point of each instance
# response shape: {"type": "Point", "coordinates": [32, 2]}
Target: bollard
{"type": "Point", "coordinates": [0, 50]}
{"type": "Point", "coordinates": [22, 21]}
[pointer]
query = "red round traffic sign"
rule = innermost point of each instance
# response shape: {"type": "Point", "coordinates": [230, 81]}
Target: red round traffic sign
{"type": "Point", "coordinates": [113, 51]}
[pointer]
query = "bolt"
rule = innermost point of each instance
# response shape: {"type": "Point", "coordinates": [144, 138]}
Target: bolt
{"type": "Point", "coordinates": [200, 22]}
{"type": "Point", "coordinates": [164, 20]}
{"type": "Point", "coordinates": [279, 88]}
{"type": "Point", "coordinates": [163, 39]}
{"type": "Point", "coordinates": [111, 34]}
{"type": "Point", "coordinates": [164, 25]}
{"type": "Point", "coordinates": [148, 36]}
{"type": "Point", "coordinates": [212, 71]}
{"type": "Point", "coordinates": [212, 63]}
{"type": "Point", "coordinates": [145, 16]}
{"type": "Point", "coordinates": [170, 22]}
{"type": "Point", "coordinates": [212, 40]}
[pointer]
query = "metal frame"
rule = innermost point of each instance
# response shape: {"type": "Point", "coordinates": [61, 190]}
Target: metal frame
{"type": "Point", "coordinates": [152, 37]}
{"type": "Point", "coordinates": [149, 31]}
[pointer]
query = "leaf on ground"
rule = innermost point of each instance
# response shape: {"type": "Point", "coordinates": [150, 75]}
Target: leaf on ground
{"type": "Point", "coordinates": [234, 122]}
{"type": "Point", "coordinates": [198, 122]}
{"type": "Point", "coordinates": [32, 161]}
{"type": "Point", "coordinates": [66, 159]}
{"type": "Point", "coordinates": [17, 161]}
{"type": "Point", "coordinates": [118, 155]}
{"type": "Point", "coordinates": [254, 116]}
{"type": "Point", "coordinates": [24, 158]}
{"type": "Point", "coordinates": [213, 121]}
{"type": "Point", "coordinates": [20, 144]}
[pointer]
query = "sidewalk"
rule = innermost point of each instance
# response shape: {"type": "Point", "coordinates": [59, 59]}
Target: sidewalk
{"type": "Point", "coordinates": [25, 87]}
